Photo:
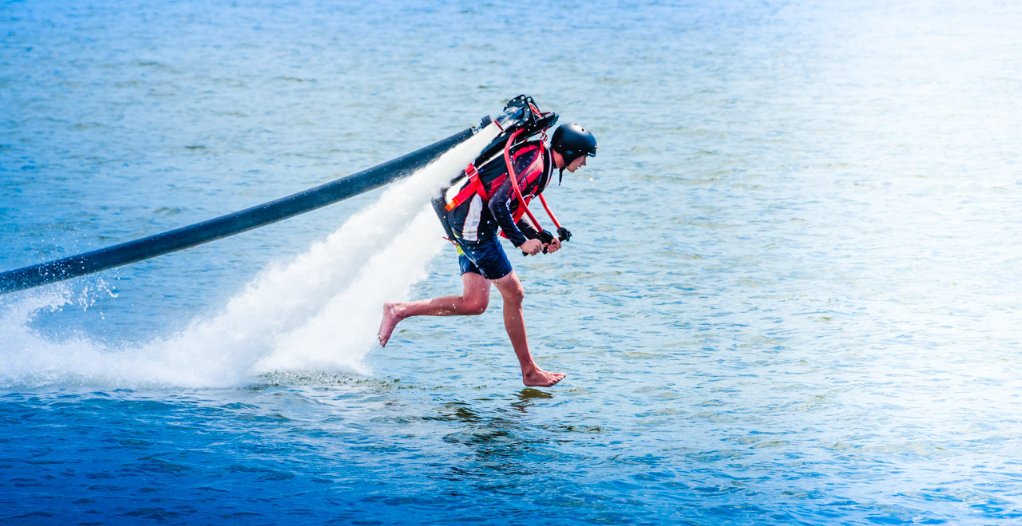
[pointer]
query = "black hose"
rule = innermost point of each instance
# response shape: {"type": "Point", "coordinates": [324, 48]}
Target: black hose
{"type": "Point", "coordinates": [230, 224]}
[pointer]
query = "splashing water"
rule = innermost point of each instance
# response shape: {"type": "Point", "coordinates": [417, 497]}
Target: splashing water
{"type": "Point", "coordinates": [316, 313]}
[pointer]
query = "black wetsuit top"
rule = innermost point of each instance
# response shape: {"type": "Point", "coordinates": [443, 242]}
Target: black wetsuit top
{"type": "Point", "coordinates": [474, 220]}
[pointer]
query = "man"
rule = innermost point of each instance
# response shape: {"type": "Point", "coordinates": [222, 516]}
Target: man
{"type": "Point", "coordinates": [472, 216]}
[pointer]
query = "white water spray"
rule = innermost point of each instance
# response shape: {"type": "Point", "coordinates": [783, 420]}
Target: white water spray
{"type": "Point", "coordinates": [317, 313]}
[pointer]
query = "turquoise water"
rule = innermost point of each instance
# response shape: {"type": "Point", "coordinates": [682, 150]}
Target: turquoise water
{"type": "Point", "coordinates": [790, 298]}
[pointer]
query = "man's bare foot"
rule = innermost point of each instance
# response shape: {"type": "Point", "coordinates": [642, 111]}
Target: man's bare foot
{"type": "Point", "coordinates": [390, 319]}
{"type": "Point", "coordinates": [541, 378]}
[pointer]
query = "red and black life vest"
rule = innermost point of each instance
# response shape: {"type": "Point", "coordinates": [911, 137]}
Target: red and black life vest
{"type": "Point", "coordinates": [494, 173]}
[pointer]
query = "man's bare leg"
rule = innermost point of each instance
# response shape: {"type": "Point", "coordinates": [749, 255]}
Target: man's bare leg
{"type": "Point", "coordinates": [514, 321]}
{"type": "Point", "coordinates": [473, 300]}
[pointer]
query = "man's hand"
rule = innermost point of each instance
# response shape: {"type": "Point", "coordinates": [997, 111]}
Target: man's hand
{"type": "Point", "coordinates": [532, 247]}
{"type": "Point", "coordinates": [553, 246]}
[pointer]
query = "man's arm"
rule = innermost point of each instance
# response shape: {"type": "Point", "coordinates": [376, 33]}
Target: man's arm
{"type": "Point", "coordinates": [500, 207]}
{"type": "Point", "coordinates": [527, 228]}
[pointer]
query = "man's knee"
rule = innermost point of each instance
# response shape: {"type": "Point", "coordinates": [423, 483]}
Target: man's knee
{"type": "Point", "coordinates": [474, 306]}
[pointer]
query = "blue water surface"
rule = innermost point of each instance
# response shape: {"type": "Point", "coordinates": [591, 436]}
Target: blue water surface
{"type": "Point", "coordinates": [791, 296]}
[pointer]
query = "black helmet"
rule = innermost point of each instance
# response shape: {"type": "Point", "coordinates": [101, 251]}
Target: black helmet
{"type": "Point", "coordinates": [573, 141]}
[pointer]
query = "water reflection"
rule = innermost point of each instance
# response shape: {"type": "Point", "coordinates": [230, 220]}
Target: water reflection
{"type": "Point", "coordinates": [501, 445]}
{"type": "Point", "coordinates": [528, 396]}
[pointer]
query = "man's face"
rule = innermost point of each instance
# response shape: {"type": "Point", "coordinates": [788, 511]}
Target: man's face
{"type": "Point", "coordinates": [576, 164]}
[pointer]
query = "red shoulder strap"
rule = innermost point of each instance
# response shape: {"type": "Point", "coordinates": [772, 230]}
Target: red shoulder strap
{"type": "Point", "coordinates": [474, 186]}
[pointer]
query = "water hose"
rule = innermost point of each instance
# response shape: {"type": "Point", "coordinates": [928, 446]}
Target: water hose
{"type": "Point", "coordinates": [230, 224]}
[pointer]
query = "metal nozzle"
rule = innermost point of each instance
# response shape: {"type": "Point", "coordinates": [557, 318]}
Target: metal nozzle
{"type": "Point", "coordinates": [522, 112]}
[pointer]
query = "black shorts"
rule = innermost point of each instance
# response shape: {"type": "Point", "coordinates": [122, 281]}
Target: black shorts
{"type": "Point", "coordinates": [486, 258]}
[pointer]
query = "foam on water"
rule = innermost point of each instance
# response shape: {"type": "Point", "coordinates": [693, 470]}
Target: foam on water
{"type": "Point", "coordinates": [318, 312]}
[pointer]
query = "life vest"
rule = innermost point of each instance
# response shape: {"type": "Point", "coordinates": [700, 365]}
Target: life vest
{"type": "Point", "coordinates": [475, 183]}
